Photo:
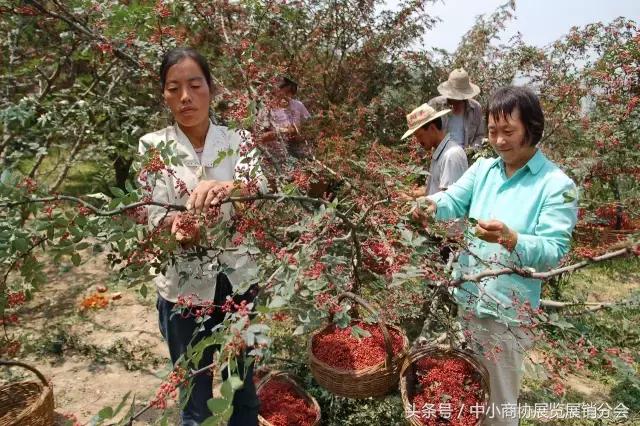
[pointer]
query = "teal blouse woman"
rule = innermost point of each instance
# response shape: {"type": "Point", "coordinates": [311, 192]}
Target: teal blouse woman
{"type": "Point", "coordinates": [526, 209]}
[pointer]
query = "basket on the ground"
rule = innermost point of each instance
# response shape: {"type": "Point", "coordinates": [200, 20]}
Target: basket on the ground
{"type": "Point", "coordinates": [26, 403]}
{"type": "Point", "coordinates": [372, 381]}
{"type": "Point", "coordinates": [285, 377]}
{"type": "Point", "coordinates": [408, 377]}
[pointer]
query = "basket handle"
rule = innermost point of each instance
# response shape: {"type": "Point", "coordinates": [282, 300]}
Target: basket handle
{"type": "Point", "coordinates": [28, 367]}
{"type": "Point", "coordinates": [385, 331]}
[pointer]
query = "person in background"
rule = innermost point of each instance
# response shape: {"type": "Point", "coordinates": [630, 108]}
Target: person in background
{"type": "Point", "coordinates": [280, 124]}
{"type": "Point", "coordinates": [448, 161]}
{"type": "Point", "coordinates": [186, 84]}
{"type": "Point", "coordinates": [466, 121]}
{"type": "Point", "coordinates": [525, 208]}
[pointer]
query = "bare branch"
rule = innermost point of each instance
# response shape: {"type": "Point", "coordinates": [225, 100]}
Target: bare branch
{"type": "Point", "coordinates": [630, 248]}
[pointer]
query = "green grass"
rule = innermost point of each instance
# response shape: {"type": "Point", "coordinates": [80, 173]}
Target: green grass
{"type": "Point", "coordinates": [84, 177]}
{"type": "Point", "coordinates": [615, 280]}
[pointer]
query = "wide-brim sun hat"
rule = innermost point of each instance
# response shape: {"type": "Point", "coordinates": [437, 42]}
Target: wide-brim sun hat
{"type": "Point", "coordinates": [458, 86]}
{"type": "Point", "coordinates": [421, 116]}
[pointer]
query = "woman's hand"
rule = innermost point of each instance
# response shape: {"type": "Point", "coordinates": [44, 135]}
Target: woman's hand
{"type": "Point", "coordinates": [207, 193]}
{"type": "Point", "coordinates": [186, 228]}
{"type": "Point", "coordinates": [494, 231]}
{"type": "Point", "coordinates": [412, 194]}
{"type": "Point", "coordinates": [423, 214]}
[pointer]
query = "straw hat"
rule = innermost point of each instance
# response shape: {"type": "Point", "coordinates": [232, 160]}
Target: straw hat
{"type": "Point", "coordinates": [421, 116]}
{"type": "Point", "coordinates": [458, 86]}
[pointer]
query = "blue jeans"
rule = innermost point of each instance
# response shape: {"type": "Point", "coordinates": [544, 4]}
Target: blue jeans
{"type": "Point", "coordinates": [179, 332]}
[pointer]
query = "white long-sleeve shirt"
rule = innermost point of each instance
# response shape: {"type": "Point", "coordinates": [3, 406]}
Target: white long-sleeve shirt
{"type": "Point", "coordinates": [220, 141]}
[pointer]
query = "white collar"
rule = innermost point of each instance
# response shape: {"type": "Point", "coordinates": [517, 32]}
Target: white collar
{"type": "Point", "coordinates": [215, 141]}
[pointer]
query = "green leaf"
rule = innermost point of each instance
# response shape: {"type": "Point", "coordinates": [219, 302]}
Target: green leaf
{"type": "Point", "coordinates": [82, 246]}
{"type": "Point", "coordinates": [218, 405]}
{"type": "Point", "coordinates": [569, 196]}
{"type": "Point", "coordinates": [143, 290]}
{"type": "Point", "coordinates": [236, 382]}
{"type": "Point", "coordinates": [359, 333]}
{"type": "Point", "coordinates": [20, 244]}
{"type": "Point", "coordinates": [75, 259]}
{"type": "Point", "coordinates": [122, 402]}
{"type": "Point", "coordinates": [277, 302]}
{"type": "Point", "coordinates": [117, 191]}
{"type": "Point", "coordinates": [105, 413]}
{"type": "Point", "coordinates": [226, 390]}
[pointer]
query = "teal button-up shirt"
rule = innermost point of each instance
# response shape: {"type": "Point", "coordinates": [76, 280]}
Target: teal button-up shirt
{"type": "Point", "coordinates": [539, 202]}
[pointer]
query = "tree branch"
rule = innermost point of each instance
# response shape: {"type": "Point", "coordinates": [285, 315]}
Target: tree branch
{"type": "Point", "coordinates": [630, 249]}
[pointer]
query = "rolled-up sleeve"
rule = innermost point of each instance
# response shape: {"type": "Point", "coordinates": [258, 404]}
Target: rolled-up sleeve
{"type": "Point", "coordinates": [551, 239]}
{"type": "Point", "coordinates": [455, 201]}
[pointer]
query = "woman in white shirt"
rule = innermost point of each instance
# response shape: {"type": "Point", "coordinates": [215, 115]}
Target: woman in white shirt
{"type": "Point", "coordinates": [186, 85]}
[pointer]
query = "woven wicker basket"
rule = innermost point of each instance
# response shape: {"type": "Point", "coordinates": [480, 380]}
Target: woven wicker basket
{"type": "Point", "coordinates": [26, 403]}
{"type": "Point", "coordinates": [282, 376]}
{"type": "Point", "coordinates": [408, 375]}
{"type": "Point", "coordinates": [374, 381]}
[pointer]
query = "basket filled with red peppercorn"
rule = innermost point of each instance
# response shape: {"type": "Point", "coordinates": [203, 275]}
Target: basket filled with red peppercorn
{"type": "Point", "coordinates": [283, 402]}
{"type": "Point", "coordinates": [444, 386]}
{"type": "Point", "coordinates": [357, 367]}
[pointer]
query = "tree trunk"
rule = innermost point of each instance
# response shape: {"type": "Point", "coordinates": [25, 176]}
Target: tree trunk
{"type": "Point", "coordinates": [618, 198]}
{"type": "Point", "coordinates": [122, 166]}
{"type": "Point", "coordinates": [67, 165]}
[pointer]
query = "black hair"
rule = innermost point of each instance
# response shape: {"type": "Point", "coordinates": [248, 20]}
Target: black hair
{"type": "Point", "coordinates": [506, 99]}
{"type": "Point", "coordinates": [287, 83]}
{"type": "Point", "coordinates": [437, 121]}
{"type": "Point", "coordinates": [176, 55]}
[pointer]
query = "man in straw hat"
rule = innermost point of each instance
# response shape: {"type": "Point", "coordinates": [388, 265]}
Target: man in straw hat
{"type": "Point", "coordinates": [465, 124]}
{"type": "Point", "coordinates": [448, 161]}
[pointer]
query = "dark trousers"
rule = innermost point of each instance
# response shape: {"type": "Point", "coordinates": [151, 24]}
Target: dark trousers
{"type": "Point", "coordinates": [179, 332]}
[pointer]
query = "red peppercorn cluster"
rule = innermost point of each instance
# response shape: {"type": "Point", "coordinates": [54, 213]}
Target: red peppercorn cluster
{"type": "Point", "coordinates": [155, 163]}
{"type": "Point", "coordinates": [327, 302]}
{"type": "Point", "coordinates": [16, 298]}
{"type": "Point", "coordinates": [72, 419]}
{"type": "Point", "coordinates": [449, 386]}
{"type": "Point", "coordinates": [609, 214]}
{"type": "Point", "coordinates": [187, 226]}
{"type": "Point", "coordinates": [139, 215]}
{"type": "Point", "coordinates": [301, 179]}
{"type": "Point", "coordinates": [84, 211]}
{"type": "Point", "coordinates": [9, 319]}
{"type": "Point", "coordinates": [28, 184]}
{"type": "Point", "coordinates": [376, 255]}
{"type": "Point", "coordinates": [315, 271]}
{"type": "Point", "coordinates": [162, 10]}
{"type": "Point", "coordinates": [381, 258]}
{"type": "Point", "coordinates": [339, 348]}
{"type": "Point", "coordinates": [168, 389]}
{"type": "Point", "coordinates": [282, 405]}
{"type": "Point", "coordinates": [26, 10]}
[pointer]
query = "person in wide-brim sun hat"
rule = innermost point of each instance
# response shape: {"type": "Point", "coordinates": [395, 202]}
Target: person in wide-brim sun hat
{"type": "Point", "coordinates": [421, 116]}
{"type": "Point", "coordinates": [448, 159]}
{"type": "Point", "coordinates": [465, 124]}
{"type": "Point", "coordinates": [458, 86]}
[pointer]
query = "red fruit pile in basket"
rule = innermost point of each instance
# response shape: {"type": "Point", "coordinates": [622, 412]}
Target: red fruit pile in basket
{"type": "Point", "coordinates": [339, 348]}
{"type": "Point", "coordinates": [282, 405]}
{"type": "Point", "coordinates": [446, 384]}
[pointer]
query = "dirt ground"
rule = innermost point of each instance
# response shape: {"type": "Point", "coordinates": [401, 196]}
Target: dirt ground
{"type": "Point", "coordinates": [93, 357]}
